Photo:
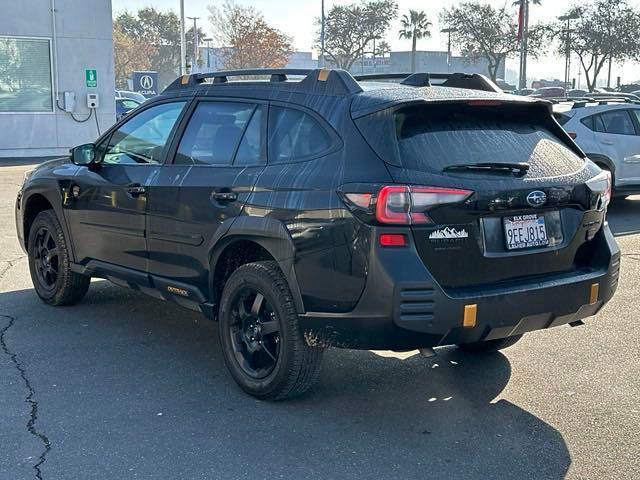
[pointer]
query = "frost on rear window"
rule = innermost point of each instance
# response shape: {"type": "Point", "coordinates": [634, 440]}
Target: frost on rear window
{"type": "Point", "coordinates": [432, 139]}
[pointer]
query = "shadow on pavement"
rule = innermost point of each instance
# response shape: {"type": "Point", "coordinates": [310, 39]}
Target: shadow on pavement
{"type": "Point", "coordinates": [624, 216]}
{"type": "Point", "coordinates": [132, 387]}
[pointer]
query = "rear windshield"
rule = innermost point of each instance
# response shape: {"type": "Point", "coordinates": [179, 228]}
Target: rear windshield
{"type": "Point", "coordinates": [431, 138]}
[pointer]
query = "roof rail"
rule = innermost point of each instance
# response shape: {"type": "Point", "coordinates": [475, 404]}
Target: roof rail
{"type": "Point", "coordinates": [332, 82]}
{"type": "Point", "coordinates": [471, 81]}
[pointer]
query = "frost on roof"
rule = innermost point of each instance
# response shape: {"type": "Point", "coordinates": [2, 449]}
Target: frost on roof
{"type": "Point", "coordinates": [373, 100]}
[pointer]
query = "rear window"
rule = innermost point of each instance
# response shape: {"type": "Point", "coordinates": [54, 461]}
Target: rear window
{"type": "Point", "coordinates": [431, 138]}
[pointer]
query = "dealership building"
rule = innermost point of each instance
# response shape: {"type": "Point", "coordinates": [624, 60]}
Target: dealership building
{"type": "Point", "coordinates": [56, 75]}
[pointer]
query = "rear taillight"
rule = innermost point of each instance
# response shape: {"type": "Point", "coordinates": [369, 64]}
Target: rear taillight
{"type": "Point", "coordinates": [573, 135]}
{"type": "Point", "coordinates": [405, 204]}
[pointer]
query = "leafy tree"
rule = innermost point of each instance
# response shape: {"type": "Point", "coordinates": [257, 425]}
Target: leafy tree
{"type": "Point", "coordinates": [162, 31]}
{"type": "Point", "coordinates": [414, 27]}
{"type": "Point", "coordinates": [131, 55]}
{"type": "Point", "coordinates": [248, 40]}
{"type": "Point", "coordinates": [382, 49]}
{"type": "Point", "coordinates": [606, 30]}
{"type": "Point", "coordinates": [350, 29]}
{"type": "Point", "coordinates": [483, 32]}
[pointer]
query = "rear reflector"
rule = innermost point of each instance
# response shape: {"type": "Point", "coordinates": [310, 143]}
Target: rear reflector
{"type": "Point", "coordinates": [470, 313]}
{"type": "Point", "coordinates": [393, 240]}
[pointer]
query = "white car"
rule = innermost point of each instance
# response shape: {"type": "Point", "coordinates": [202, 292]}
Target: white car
{"type": "Point", "coordinates": [609, 133]}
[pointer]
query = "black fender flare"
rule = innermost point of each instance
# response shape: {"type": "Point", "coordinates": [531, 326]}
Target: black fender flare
{"type": "Point", "coordinates": [270, 234]}
{"type": "Point", "coordinates": [54, 197]}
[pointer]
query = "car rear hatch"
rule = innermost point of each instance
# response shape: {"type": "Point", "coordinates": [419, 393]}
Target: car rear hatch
{"type": "Point", "coordinates": [528, 210]}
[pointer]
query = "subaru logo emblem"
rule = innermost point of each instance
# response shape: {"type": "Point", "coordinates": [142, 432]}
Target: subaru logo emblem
{"type": "Point", "coordinates": [537, 198]}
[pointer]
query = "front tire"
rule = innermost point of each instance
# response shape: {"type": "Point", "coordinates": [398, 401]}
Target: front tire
{"type": "Point", "coordinates": [263, 347]}
{"type": "Point", "coordinates": [50, 263]}
{"type": "Point", "coordinates": [490, 345]}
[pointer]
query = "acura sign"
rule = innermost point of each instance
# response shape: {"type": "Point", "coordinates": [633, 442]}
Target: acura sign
{"type": "Point", "coordinates": [145, 83]}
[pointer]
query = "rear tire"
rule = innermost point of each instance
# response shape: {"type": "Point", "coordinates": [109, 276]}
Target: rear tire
{"type": "Point", "coordinates": [50, 263]}
{"type": "Point", "coordinates": [261, 340]}
{"type": "Point", "coordinates": [490, 345]}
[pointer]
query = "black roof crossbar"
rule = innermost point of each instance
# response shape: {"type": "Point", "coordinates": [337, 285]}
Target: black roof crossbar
{"type": "Point", "coordinates": [320, 81]}
{"type": "Point", "coordinates": [471, 81]}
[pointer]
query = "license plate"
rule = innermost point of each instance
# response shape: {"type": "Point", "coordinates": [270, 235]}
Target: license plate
{"type": "Point", "coordinates": [525, 231]}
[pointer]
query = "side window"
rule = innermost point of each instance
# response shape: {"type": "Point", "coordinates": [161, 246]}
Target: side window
{"type": "Point", "coordinates": [250, 151]}
{"type": "Point", "coordinates": [618, 122]}
{"type": "Point", "coordinates": [636, 113]}
{"type": "Point", "coordinates": [588, 122]}
{"type": "Point", "coordinates": [598, 125]}
{"type": "Point", "coordinates": [213, 132]}
{"type": "Point", "coordinates": [294, 136]}
{"type": "Point", "coordinates": [142, 139]}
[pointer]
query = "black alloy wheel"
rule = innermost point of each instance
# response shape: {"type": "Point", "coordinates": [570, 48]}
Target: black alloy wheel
{"type": "Point", "coordinates": [255, 333]}
{"type": "Point", "coordinates": [46, 259]}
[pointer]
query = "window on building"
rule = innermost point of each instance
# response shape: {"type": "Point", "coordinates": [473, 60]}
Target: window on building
{"type": "Point", "coordinates": [25, 75]}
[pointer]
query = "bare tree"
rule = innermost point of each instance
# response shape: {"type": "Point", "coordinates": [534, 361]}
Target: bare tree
{"type": "Point", "coordinates": [248, 40]}
{"type": "Point", "coordinates": [349, 29]}
{"type": "Point", "coordinates": [483, 32]}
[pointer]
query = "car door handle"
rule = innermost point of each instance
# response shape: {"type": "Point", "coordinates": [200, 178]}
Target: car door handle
{"type": "Point", "coordinates": [606, 142]}
{"type": "Point", "coordinates": [136, 190]}
{"type": "Point", "coordinates": [225, 196]}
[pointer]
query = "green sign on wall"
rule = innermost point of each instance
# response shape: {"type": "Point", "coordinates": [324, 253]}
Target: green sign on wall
{"type": "Point", "coordinates": [91, 78]}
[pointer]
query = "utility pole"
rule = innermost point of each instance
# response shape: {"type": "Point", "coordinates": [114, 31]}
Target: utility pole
{"type": "Point", "coordinates": [322, 19]}
{"type": "Point", "coordinates": [567, 62]}
{"type": "Point", "coordinates": [183, 43]}
{"type": "Point", "coordinates": [448, 31]}
{"type": "Point", "coordinates": [524, 6]}
{"type": "Point", "coordinates": [194, 61]}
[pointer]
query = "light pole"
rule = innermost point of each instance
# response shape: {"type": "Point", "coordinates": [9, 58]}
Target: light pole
{"type": "Point", "coordinates": [567, 64]}
{"type": "Point", "coordinates": [183, 45]}
{"type": "Point", "coordinates": [448, 31]}
{"type": "Point", "coordinates": [321, 62]}
{"type": "Point", "coordinates": [208, 42]}
{"type": "Point", "coordinates": [195, 41]}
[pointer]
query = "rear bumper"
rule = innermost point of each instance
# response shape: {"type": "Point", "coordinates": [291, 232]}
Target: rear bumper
{"type": "Point", "coordinates": [403, 307]}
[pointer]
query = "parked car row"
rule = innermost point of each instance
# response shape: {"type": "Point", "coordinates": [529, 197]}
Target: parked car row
{"type": "Point", "coordinates": [608, 131]}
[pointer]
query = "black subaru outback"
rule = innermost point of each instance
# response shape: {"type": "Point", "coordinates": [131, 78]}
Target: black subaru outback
{"type": "Point", "coordinates": [307, 209]}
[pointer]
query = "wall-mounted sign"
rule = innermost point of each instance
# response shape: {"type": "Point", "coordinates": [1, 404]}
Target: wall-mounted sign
{"type": "Point", "coordinates": [91, 78]}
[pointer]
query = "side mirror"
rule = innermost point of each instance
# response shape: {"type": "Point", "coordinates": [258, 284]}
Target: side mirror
{"type": "Point", "coordinates": [84, 155]}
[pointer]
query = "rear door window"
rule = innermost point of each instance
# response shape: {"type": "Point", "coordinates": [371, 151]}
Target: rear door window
{"type": "Point", "coordinates": [295, 136]}
{"type": "Point", "coordinates": [618, 122]}
{"type": "Point", "coordinates": [213, 133]}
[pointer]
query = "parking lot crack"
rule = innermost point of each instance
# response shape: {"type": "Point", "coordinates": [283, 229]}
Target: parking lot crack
{"type": "Point", "coordinates": [9, 265]}
{"type": "Point", "coordinates": [29, 399]}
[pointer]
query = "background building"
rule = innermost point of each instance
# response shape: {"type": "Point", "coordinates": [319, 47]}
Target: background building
{"type": "Point", "coordinates": [44, 53]}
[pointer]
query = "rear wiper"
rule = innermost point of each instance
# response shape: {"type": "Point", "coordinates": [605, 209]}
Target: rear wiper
{"type": "Point", "coordinates": [517, 169]}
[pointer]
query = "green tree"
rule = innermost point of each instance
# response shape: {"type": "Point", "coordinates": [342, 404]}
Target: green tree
{"type": "Point", "coordinates": [415, 26]}
{"type": "Point", "coordinates": [605, 31]}
{"type": "Point", "coordinates": [162, 31]}
{"type": "Point", "coordinates": [350, 29]}
{"type": "Point", "coordinates": [483, 32]}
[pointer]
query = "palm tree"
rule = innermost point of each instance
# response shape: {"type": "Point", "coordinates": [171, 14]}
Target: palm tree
{"type": "Point", "coordinates": [414, 27]}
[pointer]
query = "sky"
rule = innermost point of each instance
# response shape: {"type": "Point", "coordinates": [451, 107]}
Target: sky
{"type": "Point", "coordinates": [296, 19]}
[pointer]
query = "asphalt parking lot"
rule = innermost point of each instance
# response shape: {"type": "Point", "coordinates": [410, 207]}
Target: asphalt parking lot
{"type": "Point", "coordinates": [123, 386]}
